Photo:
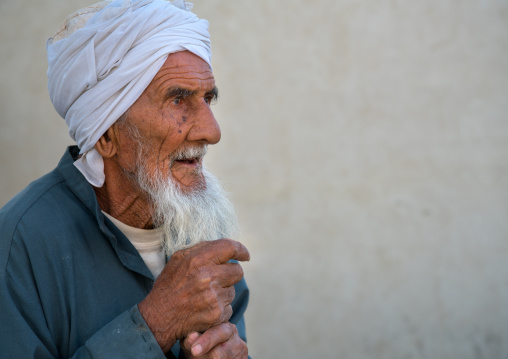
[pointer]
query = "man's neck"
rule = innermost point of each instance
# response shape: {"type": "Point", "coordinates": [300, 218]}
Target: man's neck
{"type": "Point", "coordinates": [121, 197]}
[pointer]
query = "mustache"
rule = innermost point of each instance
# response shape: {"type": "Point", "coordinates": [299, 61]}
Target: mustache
{"type": "Point", "coordinates": [187, 153]}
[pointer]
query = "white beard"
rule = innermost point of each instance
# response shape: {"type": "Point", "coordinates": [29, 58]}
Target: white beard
{"type": "Point", "coordinates": [203, 214]}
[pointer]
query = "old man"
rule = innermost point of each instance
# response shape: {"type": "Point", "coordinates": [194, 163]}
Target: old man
{"type": "Point", "coordinates": [125, 250]}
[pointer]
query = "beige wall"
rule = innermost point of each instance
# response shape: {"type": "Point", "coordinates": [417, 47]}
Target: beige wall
{"type": "Point", "coordinates": [366, 147]}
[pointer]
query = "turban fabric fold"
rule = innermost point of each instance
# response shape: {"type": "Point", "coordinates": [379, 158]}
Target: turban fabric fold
{"type": "Point", "coordinates": [98, 71]}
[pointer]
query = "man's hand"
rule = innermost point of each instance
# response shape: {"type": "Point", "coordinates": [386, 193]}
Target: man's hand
{"type": "Point", "coordinates": [194, 291]}
{"type": "Point", "coordinates": [221, 341]}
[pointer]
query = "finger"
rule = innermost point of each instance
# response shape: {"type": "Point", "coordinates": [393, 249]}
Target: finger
{"type": "Point", "coordinates": [219, 251]}
{"type": "Point", "coordinates": [228, 274]}
{"type": "Point", "coordinates": [235, 347]}
{"type": "Point", "coordinates": [212, 337]}
{"type": "Point", "coordinates": [226, 314]}
{"type": "Point", "coordinates": [224, 250]}
{"type": "Point", "coordinates": [189, 340]}
{"type": "Point", "coordinates": [227, 295]}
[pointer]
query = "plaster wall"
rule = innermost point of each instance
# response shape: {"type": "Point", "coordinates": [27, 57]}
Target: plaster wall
{"type": "Point", "coordinates": [365, 144]}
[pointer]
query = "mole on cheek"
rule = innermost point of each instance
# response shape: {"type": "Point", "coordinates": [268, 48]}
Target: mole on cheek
{"type": "Point", "coordinates": [184, 118]}
{"type": "Point", "coordinates": [179, 131]}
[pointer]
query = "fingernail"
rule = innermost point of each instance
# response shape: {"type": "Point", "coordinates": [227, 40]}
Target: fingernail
{"type": "Point", "coordinates": [196, 350]}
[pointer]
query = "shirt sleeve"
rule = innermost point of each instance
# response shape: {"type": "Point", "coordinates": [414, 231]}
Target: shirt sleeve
{"type": "Point", "coordinates": [127, 336]}
{"type": "Point", "coordinates": [27, 335]}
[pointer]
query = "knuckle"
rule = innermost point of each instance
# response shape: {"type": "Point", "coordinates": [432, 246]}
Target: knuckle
{"type": "Point", "coordinates": [194, 261]}
{"type": "Point", "coordinates": [178, 256]}
{"type": "Point", "coordinates": [230, 244]}
{"type": "Point", "coordinates": [211, 299]}
{"type": "Point", "coordinates": [212, 310]}
{"type": "Point", "coordinates": [234, 329]}
{"type": "Point", "coordinates": [205, 283]}
{"type": "Point", "coordinates": [227, 330]}
{"type": "Point", "coordinates": [214, 315]}
{"type": "Point", "coordinates": [237, 247]}
{"type": "Point", "coordinates": [227, 313]}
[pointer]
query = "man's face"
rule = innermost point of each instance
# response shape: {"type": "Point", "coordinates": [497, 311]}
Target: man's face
{"type": "Point", "coordinates": [173, 113]}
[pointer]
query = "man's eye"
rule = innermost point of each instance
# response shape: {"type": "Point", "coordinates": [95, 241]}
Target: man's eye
{"type": "Point", "coordinates": [209, 99]}
{"type": "Point", "coordinates": [177, 101]}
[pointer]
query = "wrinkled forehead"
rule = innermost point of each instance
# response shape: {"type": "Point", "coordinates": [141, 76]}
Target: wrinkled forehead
{"type": "Point", "coordinates": [183, 69]}
{"type": "Point", "coordinates": [186, 62]}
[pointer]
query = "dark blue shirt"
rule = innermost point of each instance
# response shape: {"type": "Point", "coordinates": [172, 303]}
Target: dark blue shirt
{"type": "Point", "coordinates": [70, 281]}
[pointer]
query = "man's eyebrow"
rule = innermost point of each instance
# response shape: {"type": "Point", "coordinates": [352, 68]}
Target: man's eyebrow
{"type": "Point", "coordinates": [177, 91]}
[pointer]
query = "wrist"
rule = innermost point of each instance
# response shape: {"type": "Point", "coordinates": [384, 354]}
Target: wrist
{"type": "Point", "coordinates": [160, 328]}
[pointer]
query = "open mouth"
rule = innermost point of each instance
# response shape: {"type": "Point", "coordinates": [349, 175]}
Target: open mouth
{"type": "Point", "coordinates": [189, 161]}
{"type": "Point", "coordinates": [190, 156]}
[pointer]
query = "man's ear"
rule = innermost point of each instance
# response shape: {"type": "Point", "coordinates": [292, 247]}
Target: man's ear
{"type": "Point", "coordinates": [107, 146]}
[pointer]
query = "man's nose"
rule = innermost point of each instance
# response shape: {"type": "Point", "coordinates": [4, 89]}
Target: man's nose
{"type": "Point", "coordinates": [205, 127]}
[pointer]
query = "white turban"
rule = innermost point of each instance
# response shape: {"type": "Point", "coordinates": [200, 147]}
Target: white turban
{"type": "Point", "coordinates": [98, 71]}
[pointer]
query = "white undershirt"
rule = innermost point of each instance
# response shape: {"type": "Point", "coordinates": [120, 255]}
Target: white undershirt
{"type": "Point", "coordinates": [148, 242]}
